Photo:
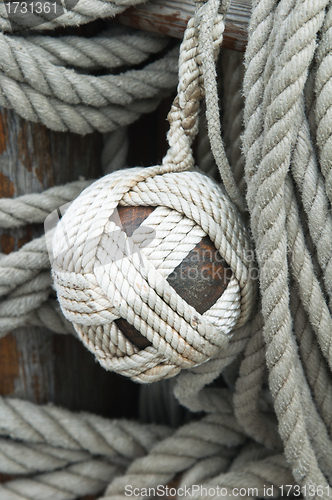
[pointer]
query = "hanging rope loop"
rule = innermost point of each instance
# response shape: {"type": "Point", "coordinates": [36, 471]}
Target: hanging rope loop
{"type": "Point", "coordinates": [102, 276]}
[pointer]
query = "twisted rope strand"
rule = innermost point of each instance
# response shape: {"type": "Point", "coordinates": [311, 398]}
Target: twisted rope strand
{"type": "Point", "coordinates": [86, 478]}
{"type": "Point", "coordinates": [197, 440]}
{"type": "Point", "coordinates": [114, 48]}
{"type": "Point", "coordinates": [302, 269]}
{"type": "Point", "coordinates": [314, 364]}
{"type": "Point", "coordinates": [323, 101]}
{"type": "Point", "coordinates": [34, 208]}
{"type": "Point", "coordinates": [265, 200]}
{"type": "Point", "coordinates": [249, 384]}
{"type": "Point", "coordinates": [190, 388]}
{"type": "Point", "coordinates": [210, 10]}
{"type": "Point", "coordinates": [117, 440]}
{"type": "Point", "coordinates": [310, 184]}
{"type": "Point", "coordinates": [82, 116]}
{"type": "Point", "coordinates": [83, 12]}
{"type": "Point", "coordinates": [69, 87]}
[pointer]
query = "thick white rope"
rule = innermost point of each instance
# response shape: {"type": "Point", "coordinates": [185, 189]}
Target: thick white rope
{"type": "Point", "coordinates": [173, 193]}
{"type": "Point", "coordinates": [190, 388]}
{"type": "Point", "coordinates": [254, 479]}
{"type": "Point", "coordinates": [310, 184]}
{"type": "Point", "coordinates": [67, 444]}
{"type": "Point", "coordinates": [323, 101]}
{"type": "Point", "coordinates": [117, 440]}
{"type": "Point", "coordinates": [231, 77]}
{"type": "Point", "coordinates": [69, 107]}
{"type": "Point", "coordinates": [258, 424]}
{"type": "Point", "coordinates": [106, 282]}
{"type": "Point", "coordinates": [205, 160]}
{"type": "Point", "coordinates": [82, 12]}
{"type": "Point", "coordinates": [64, 85]}
{"type": "Point", "coordinates": [290, 222]}
{"type": "Point", "coordinates": [85, 478]}
{"type": "Point", "coordinates": [114, 48]}
{"type": "Point", "coordinates": [65, 454]}
{"type": "Point", "coordinates": [34, 208]}
{"type": "Point", "coordinates": [272, 118]}
{"type": "Point", "coordinates": [210, 437]}
{"type": "Point", "coordinates": [210, 11]}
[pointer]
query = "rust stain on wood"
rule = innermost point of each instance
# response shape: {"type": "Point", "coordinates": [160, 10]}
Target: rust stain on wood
{"type": "Point", "coordinates": [24, 150]}
{"type": "Point", "coordinates": [42, 155]}
{"type": "Point", "coordinates": [7, 243]}
{"type": "Point", "coordinates": [34, 151]}
{"type": "Point", "coordinates": [3, 134]}
{"type": "Point", "coordinates": [26, 238]}
{"type": "Point", "coordinates": [9, 364]}
{"type": "Point", "coordinates": [7, 189]}
{"type": "Point", "coordinates": [167, 24]}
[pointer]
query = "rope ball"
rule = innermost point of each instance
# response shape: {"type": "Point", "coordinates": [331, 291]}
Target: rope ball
{"type": "Point", "coordinates": [117, 276]}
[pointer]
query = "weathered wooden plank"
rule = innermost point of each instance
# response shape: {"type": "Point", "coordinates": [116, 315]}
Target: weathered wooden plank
{"type": "Point", "coordinates": [171, 16]}
{"type": "Point", "coordinates": [32, 158]}
{"type": "Point", "coordinates": [37, 365]}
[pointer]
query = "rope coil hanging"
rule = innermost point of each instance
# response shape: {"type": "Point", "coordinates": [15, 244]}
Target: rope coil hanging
{"type": "Point", "coordinates": [101, 275]}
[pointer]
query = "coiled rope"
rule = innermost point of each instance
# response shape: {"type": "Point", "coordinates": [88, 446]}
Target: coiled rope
{"type": "Point", "coordinates": [40, 78]}
{"type": "Point", "coordinates": [272, 427]}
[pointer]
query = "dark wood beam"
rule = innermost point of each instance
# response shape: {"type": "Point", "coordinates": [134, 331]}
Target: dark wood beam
{"type": "Point", "coordinates": [171, 17]}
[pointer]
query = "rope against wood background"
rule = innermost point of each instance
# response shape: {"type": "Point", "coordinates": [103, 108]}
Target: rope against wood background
{"type": "Point", "coordinates": [180, 336]}
{"type": "Point", "coordinates": [293, 331]}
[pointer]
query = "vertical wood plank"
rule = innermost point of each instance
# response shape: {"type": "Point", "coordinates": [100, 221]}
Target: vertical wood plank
{"type": "Point", "coordinates": [33, 158]}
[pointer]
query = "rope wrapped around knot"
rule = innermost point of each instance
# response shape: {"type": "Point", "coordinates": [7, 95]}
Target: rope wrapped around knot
{"type": "Point", "coordinates": [108, 279]}
{"type": "Point", "coordinates": [101, 274]}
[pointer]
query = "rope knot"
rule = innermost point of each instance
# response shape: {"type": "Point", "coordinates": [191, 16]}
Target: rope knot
{"type": "Point", "coordinates": [111, 279]}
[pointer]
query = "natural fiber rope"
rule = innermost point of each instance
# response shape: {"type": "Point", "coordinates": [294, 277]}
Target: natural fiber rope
{"type": "Point", "coordinates": [180, 337]}
{"type": "Point", "coordinates": [168, 184]}
{"type": "Point", "coordinates": [232, 77]}
{"type": "Point", "coordinates": [34, 208]}
{"type": "Point", "coordinates": [82, 12]}
{"type": "Point", "coordinates": [272, 116]}
{"type": "Point", "coordinates": [115, 47]}
{"type": "Point", "coordinates": [63, 102]}
{"type": "Point", "coordinates": [288, 197]}
{"type": "Point", "coordinates": [66, 454]}
{"type": "Point", "coordinates": [323, 101]}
